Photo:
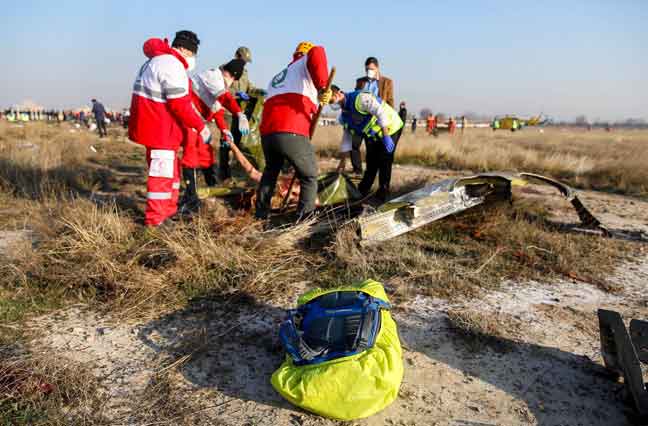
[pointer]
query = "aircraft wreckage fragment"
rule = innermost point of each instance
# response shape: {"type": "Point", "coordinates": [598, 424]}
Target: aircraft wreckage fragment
{"type": "Point", "coordinates": [450, 196]}
{"type": "Point", "coordinates": [623, 353]}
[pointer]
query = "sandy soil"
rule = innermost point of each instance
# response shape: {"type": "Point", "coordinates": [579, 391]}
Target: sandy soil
{"type": "Point", "coordinates": [544, 369]}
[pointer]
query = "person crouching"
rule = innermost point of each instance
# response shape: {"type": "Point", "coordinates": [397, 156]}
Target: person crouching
{"type": "Point", "coordinates": [364, 114]}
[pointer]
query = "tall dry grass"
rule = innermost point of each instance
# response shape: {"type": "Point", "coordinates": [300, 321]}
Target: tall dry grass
{"type": "Point", "coordinates": [38, 159]}
{"type": "Point", "coordinates": [599, 160]}
{"type": "Point", "coordinates": [99, 251]}
{"type": "Point", "coordinates": [46, 390]}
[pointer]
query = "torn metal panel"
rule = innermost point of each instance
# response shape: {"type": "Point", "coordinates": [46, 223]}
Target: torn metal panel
{"type": "Point", "coordinates": [586, 218]}
{"type": "Point", "coordinates": [620, 356]}
{"type": "Point", "coordinates": [639, 336]}
{"type": "Point", "coordinates": [433, 202]}
{"type": "Point", "coordinates": [450, 196]}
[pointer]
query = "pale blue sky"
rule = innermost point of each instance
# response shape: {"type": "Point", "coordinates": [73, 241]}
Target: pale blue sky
{"type": "Point", "coordinates": [561, 58]}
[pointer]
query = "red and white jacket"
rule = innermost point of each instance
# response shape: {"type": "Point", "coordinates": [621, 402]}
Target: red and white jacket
{"type": "Point", "coordinates": [161, 101]}
{"type": "Point", "coordinates": [211, 98]}
{"type": "Point", "coordinates": [292, 94]}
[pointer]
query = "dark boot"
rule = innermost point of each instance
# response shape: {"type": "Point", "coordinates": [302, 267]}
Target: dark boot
{"type": "Point", "coordinates": [224, 171]}
{"type": "Point", "coordinates": [209, 174]}
{"type": "Point", "coordinates": [382, 194]}
{"type": "Point", "coordinates": [189, 202]}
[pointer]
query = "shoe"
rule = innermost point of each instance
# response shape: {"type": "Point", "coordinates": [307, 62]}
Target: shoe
{"type": "Point", "coordinates": [382, 195]}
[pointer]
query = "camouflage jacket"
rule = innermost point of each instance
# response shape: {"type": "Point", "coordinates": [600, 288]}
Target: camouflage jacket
{"type": "Point", "coordinates": [241, 85]}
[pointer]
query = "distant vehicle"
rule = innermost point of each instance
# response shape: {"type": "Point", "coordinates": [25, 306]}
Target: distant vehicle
{"type": "Point", "coordinates": [513, 123]}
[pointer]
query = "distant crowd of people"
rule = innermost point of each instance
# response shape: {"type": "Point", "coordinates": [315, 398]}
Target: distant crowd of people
{"type": "Point", "coordinates": [97, 117]}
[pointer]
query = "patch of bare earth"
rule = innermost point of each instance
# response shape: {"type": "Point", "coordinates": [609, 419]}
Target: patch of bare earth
{"type": "Point", "coordinates": [527, 353]}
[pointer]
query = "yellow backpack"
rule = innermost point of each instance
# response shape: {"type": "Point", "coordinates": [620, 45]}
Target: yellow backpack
{"type": "Point", "coordinates": [349, 387]}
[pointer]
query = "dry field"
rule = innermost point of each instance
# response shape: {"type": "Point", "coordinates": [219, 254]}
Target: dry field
{"type": "Point", "coordinates": [598, 160]}
{"type": "Point", "coordinates": [105, 322]}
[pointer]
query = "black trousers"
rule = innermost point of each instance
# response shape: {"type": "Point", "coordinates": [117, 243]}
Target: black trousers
{"type": "Point", "coordinates": [224, 170]}
{"type": "Point", "coordinates": [379, 162]}
{"type": "Point", "coordinates": [298, 151]}
{"type": "Point", "coordinates": [356, 156]}
{"type": "Point", "coordinates": [101, 126]}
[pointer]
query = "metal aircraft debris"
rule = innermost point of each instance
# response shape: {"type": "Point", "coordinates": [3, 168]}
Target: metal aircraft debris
{"type": "Point", "coordinates": [450, 196]}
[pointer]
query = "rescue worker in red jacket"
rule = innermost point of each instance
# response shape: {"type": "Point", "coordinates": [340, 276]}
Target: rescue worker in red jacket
{"type": "Point", "coordinates": [210, 96]}
{"type": "Point", "coordinates": [291, 100]}
{"type": "Point", "coordinates": [160, 110]}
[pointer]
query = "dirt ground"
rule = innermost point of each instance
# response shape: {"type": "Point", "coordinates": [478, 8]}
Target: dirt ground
{"type": "Point", "coordinates": [543, 368]}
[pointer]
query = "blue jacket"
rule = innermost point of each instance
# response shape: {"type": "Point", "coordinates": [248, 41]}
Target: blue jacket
{"type": "Point", "coordinates": [98, 110]}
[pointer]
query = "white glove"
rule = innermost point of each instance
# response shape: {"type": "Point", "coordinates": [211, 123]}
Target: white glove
{"type": "Point", "coordinates": [227, 135]}
{"type": "Point", "coordinates": [243, 124]}
{"type": "Point", "coordinates": [206, 135]}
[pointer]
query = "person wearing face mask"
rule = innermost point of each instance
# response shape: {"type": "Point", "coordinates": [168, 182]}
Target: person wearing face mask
{"type": "Point", "coordinates": [211, 98]}
{"type": "Point", "coordinates": [292, 100]}
{"type": "Point", "coordinates": [160, 110]}
{"type": "Point", "coordinates": [381, 87]}
{"type": "Point", "coordinates": [367, 116]}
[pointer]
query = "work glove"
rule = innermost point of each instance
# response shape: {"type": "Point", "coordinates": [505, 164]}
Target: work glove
{"type": "Point", "coordinates": [206, 135]}
{"type": "Point", "coordinates": [243, 96]}
{"type": "Point", "coordinates": [243, 124]}
{"type": "Point", "coordinates": [389, 143]}
{"type": "Point", "coordinates": [227, 135]}
{"type": "Point", "coordinates": [324, 96]}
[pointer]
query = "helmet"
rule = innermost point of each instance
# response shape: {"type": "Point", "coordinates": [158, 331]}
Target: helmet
{"type": "Point", "coordinates": [304, 47]}
{"type": "Point", "coordinates": [244, 53]}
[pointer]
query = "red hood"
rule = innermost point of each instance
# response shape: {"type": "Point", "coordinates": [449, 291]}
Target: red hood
{"type": "Point", "coordinates": [156, 46]}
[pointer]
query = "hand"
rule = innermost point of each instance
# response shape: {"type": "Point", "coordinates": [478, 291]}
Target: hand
{"type": "Point", "coordinates": [227, 135]}
{"type": "Point", "coordinates": [324, 96]}
{"type": "Point", "coordinates": [389, 144]}
{"type": "Point", "coordinates": [243, 124]}
{"type": "Point", "coordinates": [243, 96]}
{"type": "Point", "coordinates": [206, 135]}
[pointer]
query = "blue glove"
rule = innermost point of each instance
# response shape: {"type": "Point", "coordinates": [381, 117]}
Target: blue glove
{"type": "Point", "coordinates": [243, 96]}
{"type": "Point", "coordinates": [389, 144]}
{"type": "Point", "coordinates": [243, 125]}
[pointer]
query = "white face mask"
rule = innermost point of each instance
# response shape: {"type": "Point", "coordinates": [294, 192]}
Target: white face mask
{"type": "Point", "coordinates": [191, 63]}
{"type": "Point", "coordinates": [372, 74]}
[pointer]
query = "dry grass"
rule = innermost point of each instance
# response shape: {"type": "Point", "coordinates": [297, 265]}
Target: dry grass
{"type": "Point", "coordinates": [591, 160]}
{"type": "Point", "coordinates": [99, 253]}
{"type": "Point", "coordinates": [45, 390]}
{"type": "Point", "coordinates": [460, 256]}
{"type": "Point", "coordinates": [38, 160]}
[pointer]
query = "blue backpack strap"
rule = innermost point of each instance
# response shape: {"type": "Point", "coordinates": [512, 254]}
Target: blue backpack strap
{"type": "Point", "coordinates": [336, 325]}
